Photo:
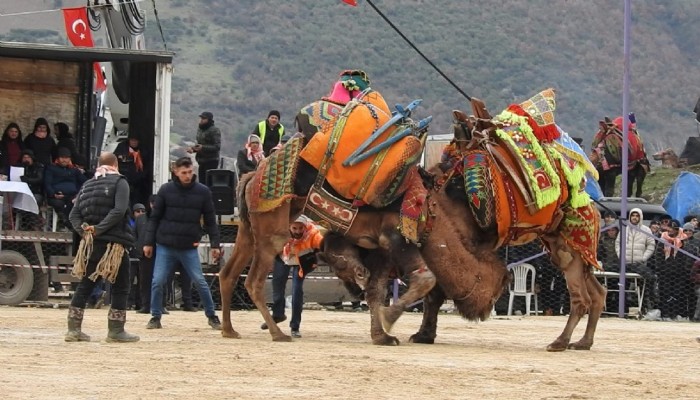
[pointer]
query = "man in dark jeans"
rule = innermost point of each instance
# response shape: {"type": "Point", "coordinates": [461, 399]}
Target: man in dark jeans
{"type": "Point", "coordinates": [297, 257]}
{"type": "Point", "coordinates": [175, 227]}
{"type": "Point", "coordinates": [101, 215]}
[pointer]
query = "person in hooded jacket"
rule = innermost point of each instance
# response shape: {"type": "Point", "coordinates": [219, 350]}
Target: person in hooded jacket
{"type": "Point", "coordinates": [640, 245]}
{"type": "Point", "coordinates": [249, 156]}
{"type": "Point", "coordinates": [41, 142]}
{"type": "Point", "coordinates": [65, 140]}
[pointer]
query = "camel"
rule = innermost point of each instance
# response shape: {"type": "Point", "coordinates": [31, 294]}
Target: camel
{"type": "Point", "coordinates": [459, 276]}
{"type": "Point", "coordinates": [668, 158]}
{"type": "Point", "coordinates": [607, 156]}
{"type": "Point", "coordinates": [262, 234]}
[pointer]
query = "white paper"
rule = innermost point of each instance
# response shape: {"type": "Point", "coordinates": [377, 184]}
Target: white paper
{"type": "Point", "coordinates": [16, 173]}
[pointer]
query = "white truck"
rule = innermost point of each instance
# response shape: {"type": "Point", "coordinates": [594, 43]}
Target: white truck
{"type": "Point", "coordinates": [56, 82]}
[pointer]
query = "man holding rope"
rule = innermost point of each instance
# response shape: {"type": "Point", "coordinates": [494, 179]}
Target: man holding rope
{"type": "Point", "coordinates": [101, 216]}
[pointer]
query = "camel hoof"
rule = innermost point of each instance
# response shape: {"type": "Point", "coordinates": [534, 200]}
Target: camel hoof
{"type": "Point", "coordinates": [388, 316]}
{"type": "Point", "coordinates": [282, 338]}
{"type": "Point", "coordinates": [230, 334]}
{"type": "Point", "coordinates": [386, 340]}
{"type": "Point", "coordinates": [419, 338]}
{"type": "Point", "coordinates": [581, 345]}
{"type": "Point", "coordinates": [557, 345]}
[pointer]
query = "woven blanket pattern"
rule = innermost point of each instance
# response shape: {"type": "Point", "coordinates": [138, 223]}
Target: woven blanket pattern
{"type": "Point", "coordinates": [321, 112]}
{"type": "Point", "coordinates": [274, 177]}
{"type": "Point", "coordinates": [413, 207]}
{"type": "Point", "coordinates": [580, 228]}
{"type": "Point", "coordinates": [533, 160]}
{"type": "Point", "coordinates": [480, 187]}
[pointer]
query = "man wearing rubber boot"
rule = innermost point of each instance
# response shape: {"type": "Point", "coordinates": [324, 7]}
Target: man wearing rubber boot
{"type": "Point", "coordinates": [101, 216]}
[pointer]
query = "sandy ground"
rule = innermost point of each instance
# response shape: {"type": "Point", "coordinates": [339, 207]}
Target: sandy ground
{"type": "Point", "coordinates": [500, 358]}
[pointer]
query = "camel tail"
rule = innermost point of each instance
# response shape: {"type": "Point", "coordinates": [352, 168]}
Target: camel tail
{"type": "Point", "coordinates": [242, 203]}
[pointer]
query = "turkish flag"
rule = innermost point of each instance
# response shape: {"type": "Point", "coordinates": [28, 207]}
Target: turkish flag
{"type": "Point", "coordinates": [77, 29]}
{"type": "Point", "coordinates": [350, 2]}
{"type": "Point", "coordinates": [76, 21]}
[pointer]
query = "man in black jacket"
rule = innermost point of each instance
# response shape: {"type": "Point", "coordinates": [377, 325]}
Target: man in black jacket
{"type": "Point", "coordinates": [101, 215]}
{"type": "Point", "coordinates": [174, 228]}
{"type": "Point", "coordinates": [208, 145]}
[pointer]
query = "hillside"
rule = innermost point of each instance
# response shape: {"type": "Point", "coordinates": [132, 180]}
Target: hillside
{"type": "Point", "coordinates": [240, 58]}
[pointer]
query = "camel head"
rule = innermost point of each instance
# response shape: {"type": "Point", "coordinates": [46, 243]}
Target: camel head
{"type": "Point", "coordinates": [668, 158]}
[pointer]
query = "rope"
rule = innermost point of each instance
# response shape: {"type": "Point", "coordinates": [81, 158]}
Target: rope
{"type": "Point", "coordinates": [435, 67]}
{"type": "Point", "coordinates": [109, 264]}
{"type": "Point", "coordinates": [160, 27]}
{"type": "Point", "coordinates": [82, 255]}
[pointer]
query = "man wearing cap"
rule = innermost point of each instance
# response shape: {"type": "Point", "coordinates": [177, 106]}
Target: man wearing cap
{"type": "Point", "coordinates": [298, 256]}
{"type": "Point", "coordinates": [208, 147]}
{"type": "Point", "coordinates": [132, 164]}
{"type": "Point", "coordinates": [270, 131]}
{"type": "Point", "coordinates": [62, 181]}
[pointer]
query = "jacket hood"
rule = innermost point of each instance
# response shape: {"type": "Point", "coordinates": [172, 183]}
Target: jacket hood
{"type": "Point", "coordinates": [638, 211]}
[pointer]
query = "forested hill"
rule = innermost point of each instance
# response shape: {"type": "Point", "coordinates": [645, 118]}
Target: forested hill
{"type": "Point", "coordinates": [241, 58]}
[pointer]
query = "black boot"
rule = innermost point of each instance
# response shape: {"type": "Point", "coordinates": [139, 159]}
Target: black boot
{"type": "Point", "coordinates": [75, 321]}
{"type": "Point", "coordinates": [115, 322]}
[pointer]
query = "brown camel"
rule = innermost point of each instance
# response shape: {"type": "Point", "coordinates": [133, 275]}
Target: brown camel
{"type": "Point", "coordinates": [668, 158]}
{"type": "Point", "coordinates": [460, 270]}
{"type": "Point", "coordinates": [262, 234]}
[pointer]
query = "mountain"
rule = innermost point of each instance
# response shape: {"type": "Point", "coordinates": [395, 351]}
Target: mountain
{"type": "Point", "coordinates": [241, 58]}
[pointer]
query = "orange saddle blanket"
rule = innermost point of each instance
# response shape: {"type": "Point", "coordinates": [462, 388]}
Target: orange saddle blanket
{"type": "Point", "coordinates": [377, 180]}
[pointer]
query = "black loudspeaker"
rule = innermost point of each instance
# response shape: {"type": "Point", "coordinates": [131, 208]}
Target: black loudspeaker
{"type": "Point", "coordinates": [222, 184]}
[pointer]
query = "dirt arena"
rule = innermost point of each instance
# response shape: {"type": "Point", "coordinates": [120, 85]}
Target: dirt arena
{"type": "Point", "coordinates": [500, 358]}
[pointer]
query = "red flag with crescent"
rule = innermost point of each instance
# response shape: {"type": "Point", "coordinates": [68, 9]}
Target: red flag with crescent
{"type": "Point", "coordinates": [78, 31]}
{"type": "Point", "coordinates": [350, 2]}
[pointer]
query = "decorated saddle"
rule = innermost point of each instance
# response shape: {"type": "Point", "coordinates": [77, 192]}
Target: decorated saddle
{"type": "Point", "coordinates": [520, 181]}
{"type": "Point", "coordinates": [377, 180]}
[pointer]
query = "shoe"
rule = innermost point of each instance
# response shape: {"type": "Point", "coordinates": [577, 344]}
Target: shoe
{"type": "Point", "coordinates": [188, 309]}
{"type": "Point", "coordinates": [296, 334]}
{"type": "Point", "coordinates": [154, 323]}
{"type": "Point", "coordinates": [165, 311]}
{"type": "Point", "coordinates": [276, 319]}
{"type": "Point", "coordinates": [215, 323]}
{"type": "Point", "coordinates": [143, 311]}
{"type": "Point", "coordinates": [101, 300]}
{"type": "Point", "coordinates": [115, 323]}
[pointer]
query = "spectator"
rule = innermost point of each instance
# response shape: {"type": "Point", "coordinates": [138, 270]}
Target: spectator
{"type": "Point", "coordinates": [655, 228]}
{"type": "Point", "coordinates": [298, 256]}
{"type": "Point", "coordinates": [672, 269]}
{"type": "Point", "coordinates": [270, 131]}
{"type": "Point", "coordinates": [695, 279]}
{"type": "Point", "coordinates": [136, 254]}
{"type": "Point", "coordinates": [609, 217]}
{"type": "Point", "coordinates": [175, 227]}
{"type": "Point", "coordinates": [132, 162]}
{"type": "Point", "coordinates": [145, 263]}
{"type": "Point", "coordinates": [285, 139]}
{"type": "Point", "coordinates": [664, 223]}
{"type": "Point", "coordinates": [41, 142]}
{"type": "Point", "coordinates": [249, 157]}
{"type": "Point", "coordinates": [34, 178]}
{"type": "Point", "coordinates": [65, 140]}
{"type": "Point", "coordinates": [208, 145]}
{"type": "Point", "coordinates": [607, 253]}
{"type": "Point", "coordinates": [101, 215]}
{"type": "Point", "coordinates": [691, 224]}
{"type": "Point", "coordinates": [185, 289]}
{"type": "Point", "coordinates": [61, 184]}
{"type": "Point", "coordinates": [11, 148]}
{"type": "Point", "coordinates": [639, 248]}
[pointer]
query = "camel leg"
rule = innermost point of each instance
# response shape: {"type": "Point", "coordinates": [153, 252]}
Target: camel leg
{"type": "Point", "coordinates": [572, 265]}
{"type": "Point", "coordinates": [229, 274]}
{"type": "Point", "coordinates": [598, 294]}
{"type": "Point", "coordinates": [408, 259]}
{"type": "Point", "coordinates": [431, 307]}
{"type": "Point", "coordinates": [375, 294]}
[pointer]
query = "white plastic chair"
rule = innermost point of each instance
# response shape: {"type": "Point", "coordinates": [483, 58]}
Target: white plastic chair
{"type": "Point", "coordinates": [519, 286]}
